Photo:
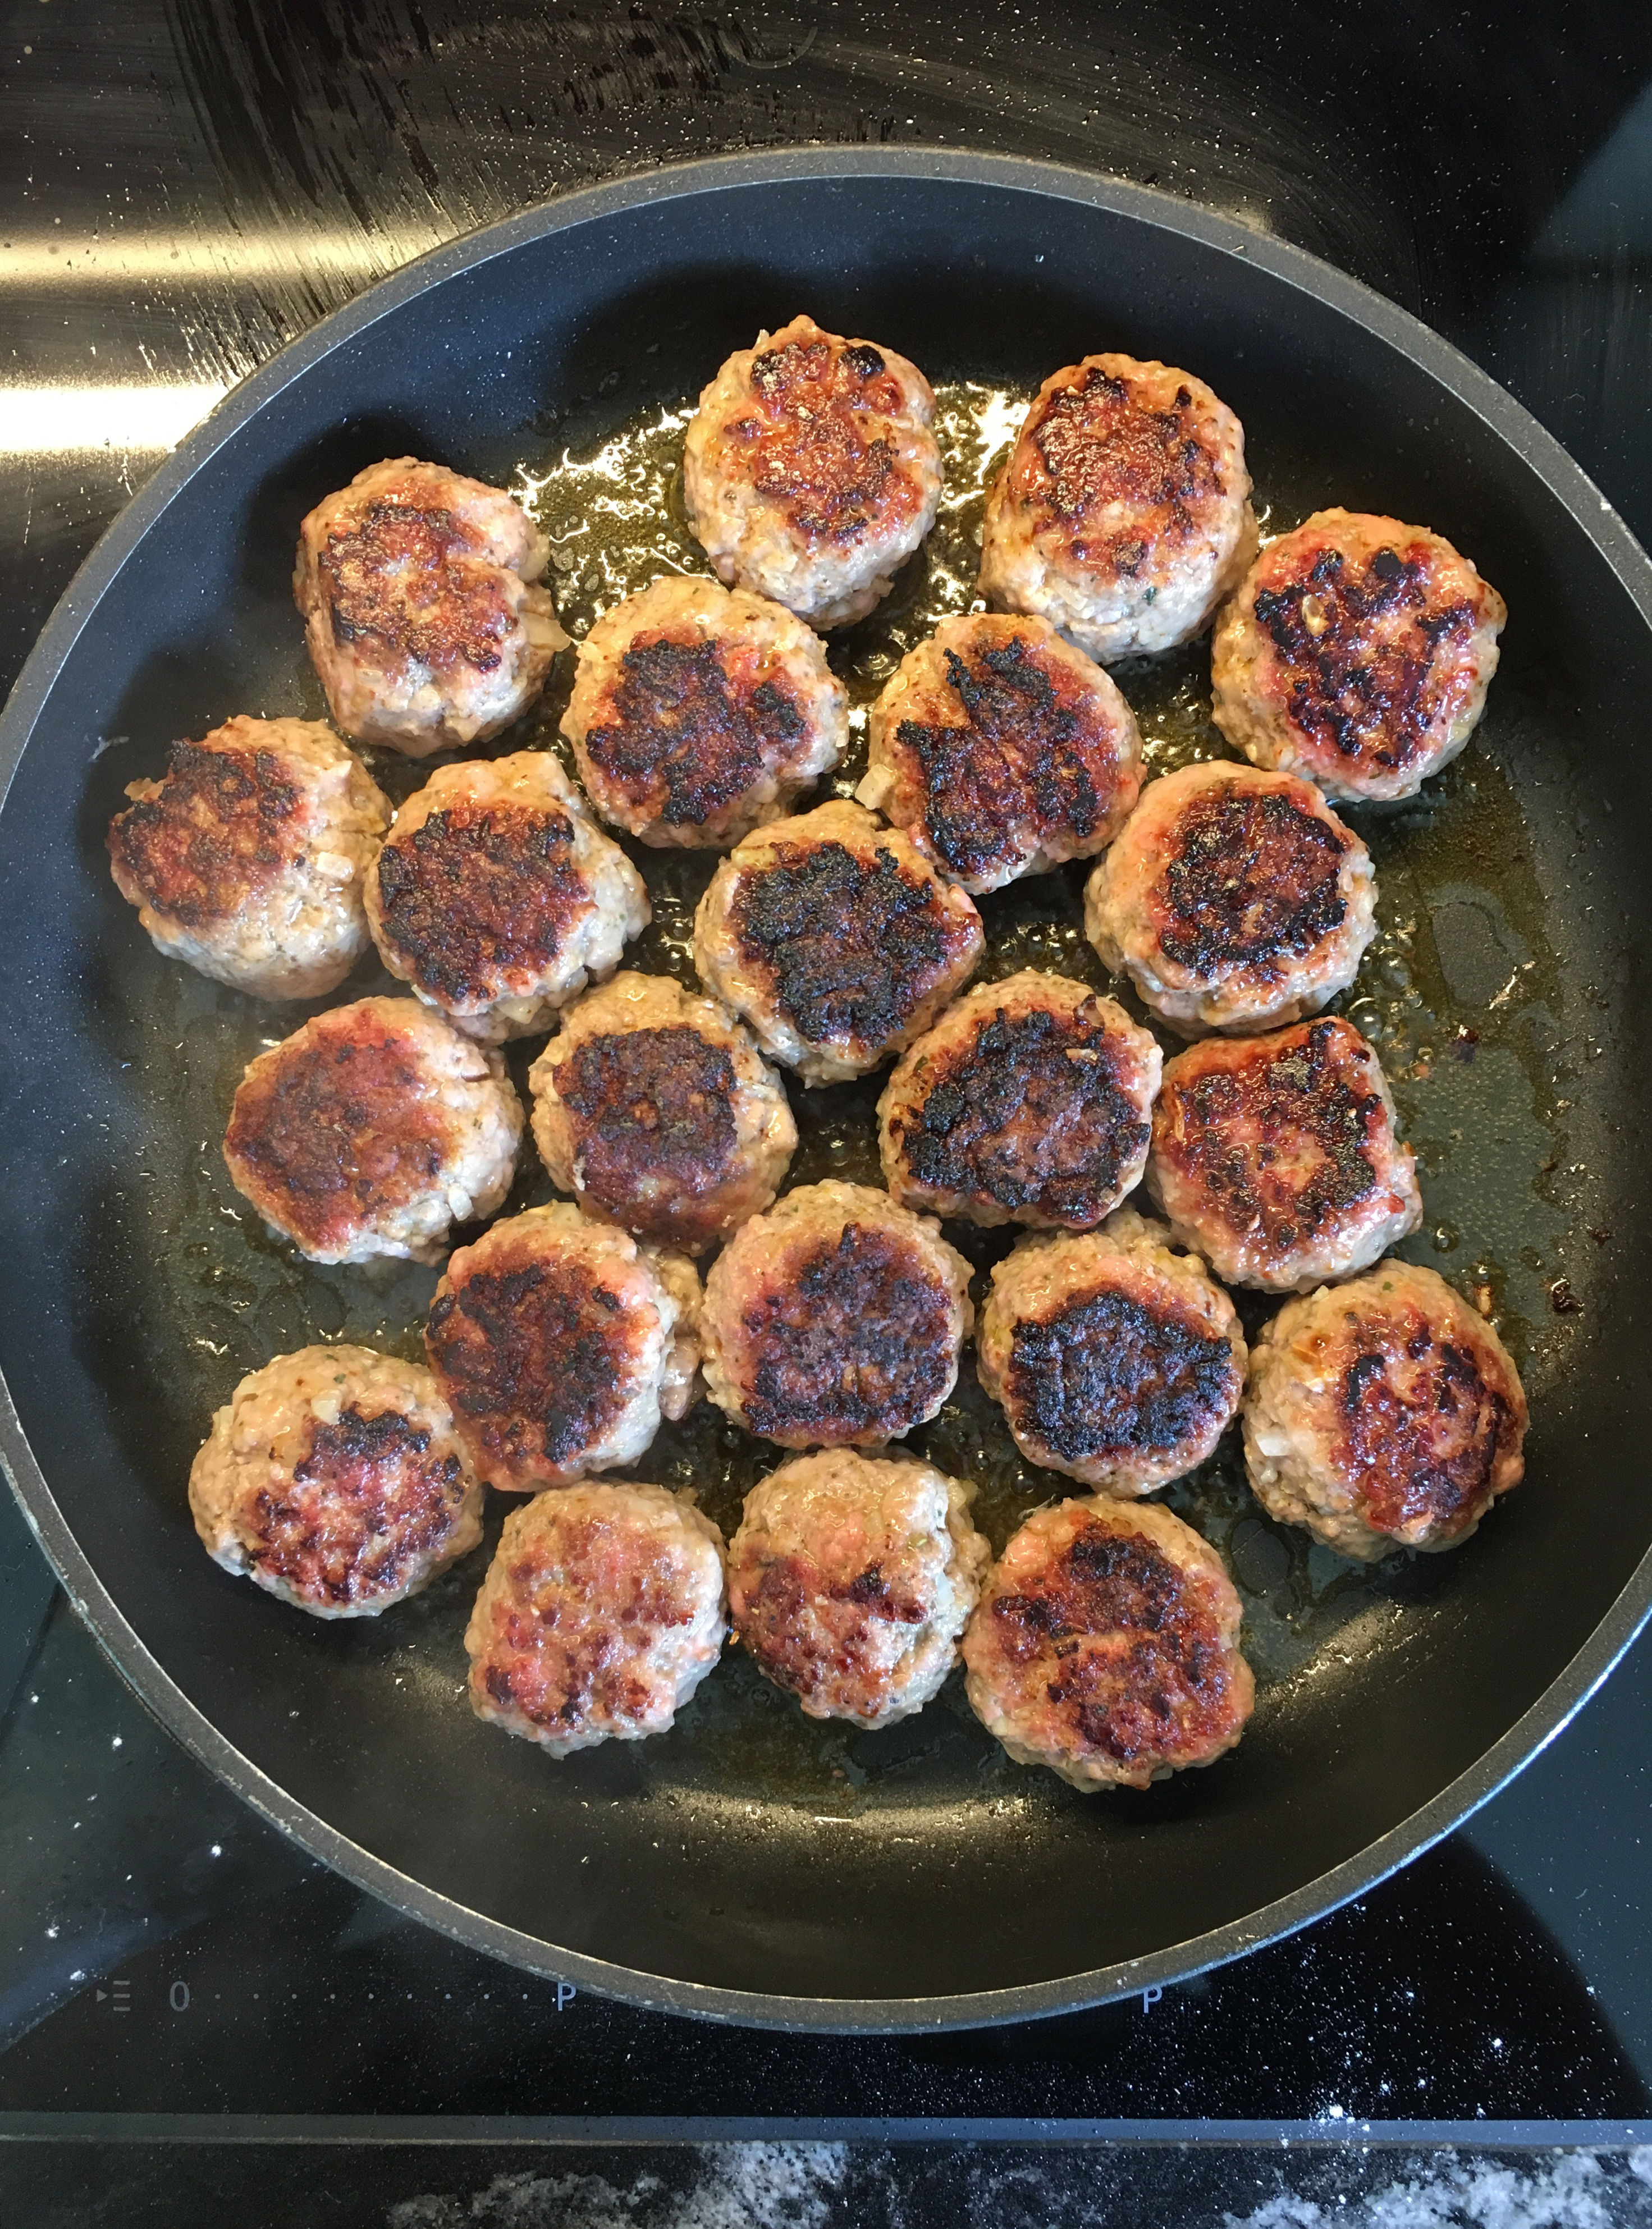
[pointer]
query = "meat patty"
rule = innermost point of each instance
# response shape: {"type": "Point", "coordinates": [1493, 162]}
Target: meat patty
{"type": "Point", "coordinates": [247, 859]}
{"type": "Point", "coordinates": [1106, 1646]}
{"type": "Point", "coordinates": [1235, 900]}
{"type": "Point", "coordinates": [373, 1129]}
{"type": "Point", "coordinates": [1383, 1413]}
{"type": "Point", "coordinates": [1115, 1359]}
{"type": "Point", "coordinates": [1123, 513]}
{"type": "Point", "coordinates": [1001, 751]}
{"type": "Point", "coordinates": [810, 473]}
{"type": "Point", "coordinates": [1029, 1101]}
{"type": "Point", "coordinates": [601, 1614]}
{"type": "Point", "coordinates": [498, 899]}
{"type": "Point", "coordinates": [835, 1319]}
{"type": "Point", "coordinates": [699, 713]}
{"type": "Point", "coordinates": [849, 1581]}
{"type": "Point", "coordinates": [1357, 652]}
{"type": "Point", "coordinates": [657, 1111]}
{"type": "Point", "coordinates": [333, 1479]}
{"type": "Point", "coordinates": [561, 1344]}
{"type": "Point", "coordinates": [417, 588]}
{"type": "Point", "coordinates": [835, 938]}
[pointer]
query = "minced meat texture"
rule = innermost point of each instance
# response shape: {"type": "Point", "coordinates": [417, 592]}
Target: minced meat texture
{"type": "Point", "coordinates": [650, 1104]}
{"type": "Point", "coordinates": [479, 894]}
{"type": "Point", "coordinates": [810, 1633]}
{"type": "Point", "coordinates": [806, 450]}
{"type": "Point", "coordinates": [1420, 1428]}
{"type": "Point", "coordinates": [1100, 448]}
{"type": "Point", "coordinates": [220, 832]}
{"type": "Point", "coordinates": [1104, 1375]}
{"type": "Point", "coordinates": [367, 1505]}
{"type": "Point", "coordinates": [416, 580]}
{"type": "Point", "coordinates": [1253, 878]}
{"type": "Point", "coordinates": [684, 741]}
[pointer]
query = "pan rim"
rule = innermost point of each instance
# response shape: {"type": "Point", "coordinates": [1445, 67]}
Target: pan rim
{"type": "Point", "coordinates": [1447, 367]}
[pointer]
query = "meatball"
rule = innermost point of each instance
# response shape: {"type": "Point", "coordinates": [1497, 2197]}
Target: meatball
{"type": "Point", "coordinates": [697, 714]}
{"type": "Point", "coordinates": [1235, 900]}
{"type": "Point", "coordinates": [333, 1479]}
{"type": "Point", "coordinates": [835, 1319]}
{"type": "Point", "coordinates": [1029, 1101]}
{"type": "Point", "coordinates": [1123, 513]}
{"type": "Point", "coordinates": [655, 1109]}
{"type": "Point", "coordinates": [247, 859]}
{"type": "Point", "coordinates": [1383, 1413]}
{"type": "Point", "coordinates": [850, 1580]}
{"type": "Point", "coordinates": [1357, 652]}
{"type": "Point", "coordinates": [1115, 1359]}
{"type": "Point", "coordinates": [601, 1614]}
{"type": "Point", "coordinates": [561, 1344]}
{"type": "Point", "coordinates": [416, 587]}
{"type": "Point", "coordinates": [372, 1130]}
{"type": "Point", "coordinates": [1276, 1157]}
{"type": "Point", "coordinates": [1002, 751]}
{"type": "Point", "coordinates": [498, 899]}
{"type": "Point", "coordinates": [809, 471]}
{"type": "Point", "coordinates": [1105, 1645]}
{"type": "Point", "coordinates": [835, 938]}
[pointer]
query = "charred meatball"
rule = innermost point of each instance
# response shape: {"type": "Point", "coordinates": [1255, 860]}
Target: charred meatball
{"type": "Point", "coordinates": [835, 1319]}
{"type": "Point", "coordinates": [497, 898]}
{"type": "Point", "coordinates": [850, 1580]}
{"type": "Point", "coordinates": [1029, 1101]}
{"type": "Point", "coordinates": [1115, 1359]}
{"type": "Point", "coordinates": [1106, 1646]}
{"type": "Point", "coordinates": [247, 859]}
{"type": "Point", "coordinates": [1235, 900]}
{"type": "Point", "coordinates": [333, 1479]}
{"type": "Point", "coordinates": [1276, 1157]}
{"type": "Point", "coordinates": [1002, 751]}
{"type": "Point", "coordinates": [655, 1109]}
{"type": "Point", "coordinates": [561, 1344]}
{"type": "Point", "coordinates": [699, 714]}
{"type": "Point", "coordinates": [372, 1130]}
{"type": "Point", "coordinates": [1123, 514]}
{"type": "Point", "coordinates": [1383, 1414]}
{"type": "Point", "coordinates": [1357, 652]}
{"type": "Point", "coordinates": [415, 585]}
{"type": "Point", "coordinates": [835, 938]}
{"type": "Point", "coordinates": [809, 471]}
{"type": "Point", "coordinates": [601, 1614]}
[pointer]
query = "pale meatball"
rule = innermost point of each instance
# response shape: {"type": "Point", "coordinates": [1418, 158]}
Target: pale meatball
{"type": "Point", "coordinates": [1276, 1157]}
{"type": "Point", "coordinates": [1382, 1413]}
{"type": "Point", "coordinates": [1235, 900]}
{"type": "Point", "coordinates": [247, 859]}
{"type": "Point", "coordinates": [835, 1319]}
{"type": "Point", "coordinates": [371, 1131]}
{"type": "Point", "coordinates": [657, 1111]}
{"type": "Point", "coordinates": [849, 1581]}
{"type": "Point", "coordinates": [601, 1614]}
{"type": "Point", "coordinates": [810, 473]}
{"type": "Point", "coordinates": [835, 938]}
{"type": "Point", "coordinates": [498, 898]}
{"type": "Point", "coordinates": [1002, 751]}
{"type": "Point", "coordinates": [699, 714]}
{"type": "Point", "coordinates": [417, 588]}
{"type": "Point", "coordinates": [1357, 652]}
{"type": "Point", "coordinates": [1115, 1359]}
{"type": "Point", "coordinates": [1106, 1646]}
{"type": "Point", "coordinates": [333, 1479]}
{"type": "Point", "coordinates": [1123, 513]}
{"type": "Point", "coordinates": [1029, 1101]}
{"type": "Point", "coordinates": [560, 1344]}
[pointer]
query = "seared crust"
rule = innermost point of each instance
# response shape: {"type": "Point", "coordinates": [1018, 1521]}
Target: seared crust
{"type": "Point", "coordinates": [1276, 1157]}
{"type": "Point", "coordinates": [835, 1319]}
{"type": "Point", "coordinates": [1106, 1647]}
{"type": "Point", "coordinates": [1357, 652]}
{"type": "Point", "coordinates": [1383, 1413]}
{"type": "Point", "coordinates": [1029, 1101]}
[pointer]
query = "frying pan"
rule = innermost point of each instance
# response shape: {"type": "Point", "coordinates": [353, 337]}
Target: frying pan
{"type": "Point", "coordinates": [739, 1867]}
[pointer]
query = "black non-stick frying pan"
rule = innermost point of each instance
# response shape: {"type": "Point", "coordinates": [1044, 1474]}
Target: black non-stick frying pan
{"type": "Point", "coordinates": [748, 1866]}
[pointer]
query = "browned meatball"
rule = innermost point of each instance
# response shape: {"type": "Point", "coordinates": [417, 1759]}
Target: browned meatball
{"type": "Point", "coordinates": [1105, 1645]}
{"type": "Point", "coordinates": [835, 1319]}
{"type": "Point", "coordinates": [1276, 1157]}
{"type": "Point", "coordinates": [1029, 1101]}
